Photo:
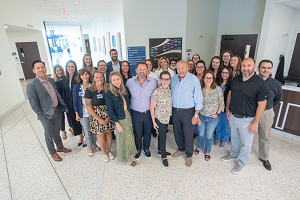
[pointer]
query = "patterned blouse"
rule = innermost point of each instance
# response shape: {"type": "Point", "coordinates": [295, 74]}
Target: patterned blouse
{"type": "Point", "coordinates": [163, 108]}
{"type": "Point", "coordinates": [84, 110]}
{"type": "Point", "coordinates": [212, 102]}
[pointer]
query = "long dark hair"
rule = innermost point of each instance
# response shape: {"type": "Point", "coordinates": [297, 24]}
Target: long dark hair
{"type": "Point", "coordinates": [213, 84]}
{"type": "Point", "coordinates": [121, 71]}
{"type": "Point", "coordinates": [220, 66]}
{"type": "Point", "coordinates": [75, 72]}
{"type": "Point", "coordinates": [229, 80]}
{"type": "Point", "coordinates": [80, 73]}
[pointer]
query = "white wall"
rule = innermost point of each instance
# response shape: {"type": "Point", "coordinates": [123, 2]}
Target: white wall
{"type": "Point", "coordinates": [202, 20]}
{"type": "Point", "coordinates": [154, 19]}
{"type": "Point", "coordinates": [28, 36]}
{"type": "Point", "coordinates": [240, 17]}
{"type": "Point", "coordinates": [111, 20]}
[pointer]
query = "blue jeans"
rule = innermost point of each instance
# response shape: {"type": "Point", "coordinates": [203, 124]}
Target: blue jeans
{"type": "Point", "coordinates": [241, 138]}
{"type": "Point", "coordinates": [90, 138]}
{"type": "Point", "coordinates": [223, 128]}
{"type": "Point", "coordinates": [206, 132]}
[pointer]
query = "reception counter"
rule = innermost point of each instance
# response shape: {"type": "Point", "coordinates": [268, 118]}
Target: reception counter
{"type": "Point", "coordinates": [287, 112]}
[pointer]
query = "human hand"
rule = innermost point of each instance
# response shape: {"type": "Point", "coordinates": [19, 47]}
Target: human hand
{"type": "Point", "coordinates": [120, 129]}
{"type": "Point", "coordinates": [199, 122]}
{"type": "Point", "coordinates": [253, 127]}
{"type": "Point", "coordinates": [195, 120]}
{"type": "Point", "coordinates": [228, 114]}
{"type": "Point", "coordinates": [155, 126]}
{"type": "Point", "coordinates": [214, 116]}
{"type": "Point", "coordinates": [77, 117]}
{"type": "Point", "coordinates": [102, 121]}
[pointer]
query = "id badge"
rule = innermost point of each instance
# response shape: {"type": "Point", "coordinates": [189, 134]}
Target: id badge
{"type": "Point", "coordinates": [81, 94]}
{"type": "Point", "coordinates": [99, 96]}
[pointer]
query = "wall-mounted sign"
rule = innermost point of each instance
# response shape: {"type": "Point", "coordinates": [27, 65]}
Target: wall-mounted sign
{"type": "Point", "coordinates": [168, 47]}
{"type": "Point", "coordinates": [136, 55]}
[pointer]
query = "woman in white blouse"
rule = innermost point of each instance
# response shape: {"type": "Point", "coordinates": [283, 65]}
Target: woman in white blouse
{"type": "Point", "coordinates": [163, 65]}
{"type": "Point", "coordinates": [150, 68]}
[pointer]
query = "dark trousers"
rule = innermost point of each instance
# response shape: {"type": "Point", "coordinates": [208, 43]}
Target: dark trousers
{"type": "Point", "coordinates": [162, 137]}
{"type": "Point", "coordinates": [77, 129]}
{"type": "Point", "coordinates": [142, 123]}
{"type": "Point", "coordinates": [52, 133]}
{"type": "Point", "coordinates": [62, 122]}
{"type": "Point", "coordinates": [184, 129]}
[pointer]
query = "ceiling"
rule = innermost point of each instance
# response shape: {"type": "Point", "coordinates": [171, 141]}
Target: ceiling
{"type": "Point", "coordinates": [293, 4]}
{"type": "Point", "coordinates": [77, 12]}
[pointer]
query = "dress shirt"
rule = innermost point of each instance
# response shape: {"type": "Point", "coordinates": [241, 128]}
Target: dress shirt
{"type": "Point", "coordinates": [187, 92]}
{"type": "Point", "coordinates": [115, 67]}
{"type": "Point", "coordinates": [50, 89]}
{"type": "Point", "coordinates": [141, 95]}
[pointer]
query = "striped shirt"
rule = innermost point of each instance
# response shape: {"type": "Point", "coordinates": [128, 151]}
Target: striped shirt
{"type": "Point", "coordinates": [51, 91]}
{"type": "Point", "coordinates": [141, 95]}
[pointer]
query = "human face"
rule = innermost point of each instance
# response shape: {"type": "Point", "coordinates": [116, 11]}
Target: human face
{"type": "Point", "coordinates": [173, 63]}
{"type": "Point", "coordinates": [99, 79]}
{"type": "Point", "coordinates": [234, 62]}
{"type": "Point", "coordinates": [164, 64]}
{"type": "Point", "coordinates": [182, 69]}
{"type": "Point", "coordinates": [165, 81]}
{"type": "Point", "coordinates": [102, 67]}
{"type": "Point", "coordinates": [59, 73]}
{"type": "Point", "coordinates": [40, 70]}
{"type": "Point", "coordinates": [125, 67]}
{"type": "Point", "coordinates": [247, 67]}
{"type": "Point", "coordinates": [85, 77]}
{"type": "Point", "coordinates": [265, 70]}
{"type": "Point", "coordinates": [149, 64]}
{"type": "Point", "coordinates": [88, 60]}
{"type": "Point", "coordinates": [71, 68]}
{"type": "Point", "coordinates": [114, 56]}
{"type": "Point", "coordinates": [215, 63]}
{"type": "Point", "coordinates": [226, 57]}
{"type": "Point", "coordinates": [225, 74]}
{"type": "Point", "coordinates": [141, 71]}
{"type": "Point", "coordinates": [116, 81]}
{"type": "Point", "coordinates": [200, 68]}
{"type": "Point", "coordinates": [191, 66]}
{"type": "Point", "coordinates": [208, 79]}
{"type": "Point", "coordinates": [196, 59]}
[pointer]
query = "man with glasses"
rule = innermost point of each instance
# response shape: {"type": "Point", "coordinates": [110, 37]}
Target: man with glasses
{"type": "Point", "coordinates": [103, 68]}
{"type": "Point", "coordinates": [266, 121]}
{"type": "Point", "coordinates": [246, 103]}
{"type": "Point", "coordinates": [187, 101]}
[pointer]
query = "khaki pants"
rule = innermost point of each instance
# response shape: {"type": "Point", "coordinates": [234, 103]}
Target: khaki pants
{"type": "Point", "coordinates": [264, 131]}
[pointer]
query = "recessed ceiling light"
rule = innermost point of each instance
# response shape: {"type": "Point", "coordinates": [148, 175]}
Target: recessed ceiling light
{"type": "Point", "coordinates": [5, 26]}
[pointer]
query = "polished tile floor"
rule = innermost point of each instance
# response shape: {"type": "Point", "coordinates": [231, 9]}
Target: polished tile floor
{"type": "Point", "coordinates": [28, 172]}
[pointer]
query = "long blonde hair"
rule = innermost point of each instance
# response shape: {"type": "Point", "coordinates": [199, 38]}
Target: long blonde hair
{"type": "Point", "coordinates": [54, 72]}
{"type": "Point", "coordinates": [113, 88]}
{"type": "Point", "coordinates": [92, 69]}
{"type": "Point", "coordinates": [159, 61]}
{"type": "Point", "coordinates": [93, 85]}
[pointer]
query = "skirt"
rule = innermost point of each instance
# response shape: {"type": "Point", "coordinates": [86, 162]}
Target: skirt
{"type": "Point", "coordinates": [125, 140]}
{"type": "Point", "coordinates": [95, 126]}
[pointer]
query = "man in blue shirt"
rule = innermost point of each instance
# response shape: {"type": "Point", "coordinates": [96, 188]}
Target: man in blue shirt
{"type": "Point", "coordinates": [187, 101]}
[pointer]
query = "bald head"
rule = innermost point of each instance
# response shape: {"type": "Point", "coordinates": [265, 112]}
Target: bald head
{"type": "Point", "coordinates": [182, 68]}
{"type": "Point", "coordinates": [247, 67]}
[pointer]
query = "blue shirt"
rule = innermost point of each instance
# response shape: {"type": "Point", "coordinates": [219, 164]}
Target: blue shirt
{"type": "Point", "coordinates": [187, 92]}
{"type": "Point", "coordinates": [141, 95]}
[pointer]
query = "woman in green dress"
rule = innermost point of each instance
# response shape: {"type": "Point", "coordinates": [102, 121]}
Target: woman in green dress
{"type": "Point", "coordinates": [118, 107]}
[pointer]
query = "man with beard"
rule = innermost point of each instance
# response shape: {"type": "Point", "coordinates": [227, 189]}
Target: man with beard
{"type": "Point", "coordinates": [114, 64]}
{"type": "Point", "coordinates": [246, 102]}
{"type": "Point", "coordinates": [141, 87]}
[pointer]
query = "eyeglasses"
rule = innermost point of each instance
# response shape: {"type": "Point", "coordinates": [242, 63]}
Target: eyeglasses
{"type": "Point", "coordinates": [225, 73]}
{"type": "Point", "coordinates": [199, 67]}
{"type": "Point", "coordinates": [165, 79]}
{"type": "Point", "coordinates": [209, 78]}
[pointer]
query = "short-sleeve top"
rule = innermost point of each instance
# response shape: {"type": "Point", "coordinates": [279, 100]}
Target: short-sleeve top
{"type": "Point", "coordinates": [163, 108]}
{"type": "Point", "coordinates": [212, 102]}
{"type": "Point", "coordinates": [96, 96]}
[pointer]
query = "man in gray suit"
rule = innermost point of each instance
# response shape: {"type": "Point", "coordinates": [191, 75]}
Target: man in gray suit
{"type": "Point", "coordinates": [48, 105]}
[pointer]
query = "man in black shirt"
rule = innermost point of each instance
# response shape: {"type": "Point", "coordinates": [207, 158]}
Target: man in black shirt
{"type": "Point", "coordinates": [246, 102]}
{"type": "Point", "coordinates": [266, 121]}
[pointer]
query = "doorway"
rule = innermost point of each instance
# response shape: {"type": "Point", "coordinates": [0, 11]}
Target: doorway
{"type": "Point", "coordinates": [87, 46]}
{"type": "Point", "coordinates": [240, 44]}
{"type": "Point", "coordinates": [28, 52]}
{"type": "Point", "coordinates": [294, 70]}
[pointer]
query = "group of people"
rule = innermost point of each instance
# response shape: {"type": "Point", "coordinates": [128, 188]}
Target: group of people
{"type": "Point", "coordinates": [228, 98]}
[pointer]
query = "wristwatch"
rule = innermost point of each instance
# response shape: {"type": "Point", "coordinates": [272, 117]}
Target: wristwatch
{"type": "Point", "coordinates": [196, 116]}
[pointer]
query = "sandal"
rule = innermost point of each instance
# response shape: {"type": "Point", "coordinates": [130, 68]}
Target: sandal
{"type": "Point", "coordinates": [133, 163]}
{"type": "Point", "coordinates": [71, 130]}
{"type": "Point", "coordinates": [207, 156]}
{"type": "Point", "coordinates": [196, 151]}
{"type": "Point", "coordinates": [64, 135]}
{"type": "Point", "coordinates": [91, 155]}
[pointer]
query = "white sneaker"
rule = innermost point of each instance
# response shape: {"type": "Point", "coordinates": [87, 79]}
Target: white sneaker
{"type": "Point", "coordinates": [105, 158]}
{"type": "Point", "coordinates": [111, 156]}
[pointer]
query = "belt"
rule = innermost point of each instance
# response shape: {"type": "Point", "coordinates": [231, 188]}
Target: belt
{"type": "Point", "coordinates": [142, 112]}
{"type": "Point", "coordinates": [241, 116]}
{"type": "Point", "coordinates": [182, 109]}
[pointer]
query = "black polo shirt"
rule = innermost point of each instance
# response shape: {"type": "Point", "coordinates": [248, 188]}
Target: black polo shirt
{"type": "Point", "coordinates": [245, 95]}
{"type": "Point", "coordinates": [274, 92]}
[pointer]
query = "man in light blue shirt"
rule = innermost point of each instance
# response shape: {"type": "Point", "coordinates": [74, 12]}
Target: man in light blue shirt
{"type": "Point", "coordinates": [187, 101]}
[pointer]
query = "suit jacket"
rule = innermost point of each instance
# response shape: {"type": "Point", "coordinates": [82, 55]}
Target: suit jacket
{"type": "Point", "coordinates": [110, 69]}
{"type": "Point", "coordinates": [40, 100]}
{"type": "Point", "coordinates": [67, 93]}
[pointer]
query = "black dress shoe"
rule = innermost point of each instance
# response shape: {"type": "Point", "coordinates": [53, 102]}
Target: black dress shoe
{"type": "Point", "coordinates": [266, 164]}
{"type": "Point", "coordinates": [79, 143]}
{"type": "Point", "coordinates": [84, 145]}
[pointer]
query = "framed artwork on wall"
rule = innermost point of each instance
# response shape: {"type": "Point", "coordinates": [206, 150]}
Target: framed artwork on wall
{"type": "Point", "coordinates": [94, 43]}
{"type": "Point", "coordinates": [103, 45]}
{"type": "Point", "coordinates": [99, 44]}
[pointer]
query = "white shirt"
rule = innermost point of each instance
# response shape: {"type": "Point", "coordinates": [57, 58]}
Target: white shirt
{"type": "Point", "coordinates": [157, 73]}
{"type": "Point", "coordinates": [116, 67]}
